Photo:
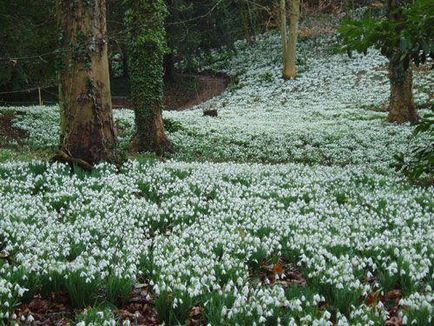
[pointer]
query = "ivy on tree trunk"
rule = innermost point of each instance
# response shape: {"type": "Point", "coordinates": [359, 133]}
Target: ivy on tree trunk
{"type": "Point", "coordinates": [146, 50]}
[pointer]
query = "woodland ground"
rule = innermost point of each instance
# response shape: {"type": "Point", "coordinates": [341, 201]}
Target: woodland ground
{"type": "Point", "coordinates": [283, 210]}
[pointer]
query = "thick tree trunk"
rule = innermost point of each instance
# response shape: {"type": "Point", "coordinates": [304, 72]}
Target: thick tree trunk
{"type": "Point", "coordinates": [292, 42]}
{"type": "Point", "coordinates": [87, 127]}
{"type": "Point", "coordinates": [147, 46]}
{"type": "Point", "coordinates": [284, 38]}
{"type": "Point", "coordinates": [150, 137]}
{"type": "Point", "coordinates": [401, 104]}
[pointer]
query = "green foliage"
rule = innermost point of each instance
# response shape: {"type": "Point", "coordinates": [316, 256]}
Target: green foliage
{"type": "Point", "coordinates": [197, 26]}
{"type": "Point", "coordinates": [420, 160]}
{"type": "Point", "coordinates": [146, 49]}
{"type": "Point", "coordinates": [171, 125]}
{"type": "Point", "coordinates": [82, 292]}
{"type": "Point", "coordinates": [405, 32]}
{"type": "Point", "coordinates": [173, 308]}
{"type": "Point", "coordinates": [118, 289]}
{"type": "Point", "coordinates": [418, 316]}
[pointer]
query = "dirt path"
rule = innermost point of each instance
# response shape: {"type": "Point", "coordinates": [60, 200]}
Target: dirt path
{"type": "Point", "coordinates": [209, 87]}
{"type": "Point", "coordinates": [186, 91]}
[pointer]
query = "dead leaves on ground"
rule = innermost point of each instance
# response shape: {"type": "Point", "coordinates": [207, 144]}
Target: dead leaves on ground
{"type": "Point", "coordinates": [196, 317]}
{"type": "Point", "coordinates": [55, 310]}
{"type": "Point", "coordinates": [5, 256]}
{"type": "Point", "coordinates": [390, 300]}
{"type": "Point", "coordinates": [139, 310]}
{"type": "Point", "coordinates": [281, 273]}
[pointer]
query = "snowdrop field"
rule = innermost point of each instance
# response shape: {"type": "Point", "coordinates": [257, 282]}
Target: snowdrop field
{"type": "Point", "coordinates": [283, 210]}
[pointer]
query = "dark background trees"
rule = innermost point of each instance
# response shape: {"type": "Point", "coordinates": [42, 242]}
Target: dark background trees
{"type": "Point", "coordinates": [28, 44]}
{"type": "Point", "coordinates": [29, 36]}
{"type": "Point", "coordinates": [30, 50]}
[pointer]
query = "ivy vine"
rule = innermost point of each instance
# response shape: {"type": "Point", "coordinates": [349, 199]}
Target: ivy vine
{"type": "Point", "coordinates": [146, 49]}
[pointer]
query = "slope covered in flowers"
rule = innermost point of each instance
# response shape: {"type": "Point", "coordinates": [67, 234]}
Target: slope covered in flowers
{"type": "Point", "coordinates": [339, 228]}
{"type": "Point", "coordinates": [331, 114]}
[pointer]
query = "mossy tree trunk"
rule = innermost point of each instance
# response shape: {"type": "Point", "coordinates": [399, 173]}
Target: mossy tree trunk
{"type": "Point", "coordinates": [147, 46]}
{"type": "Point", "coordinates": [401, 104]}
{"type": "Point", "coordinates": [87, 127]}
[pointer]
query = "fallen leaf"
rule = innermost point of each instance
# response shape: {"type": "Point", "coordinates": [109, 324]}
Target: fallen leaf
{"type": "Point", "coordinates": [195, 311]}
{"type": "Point", "coordinates": [393, 295]}
{"type": "Point", "coordinates": [4, 255]}
{"type": "Point", "coordinates": [394, 321]}
{"type": "Point", "coordinates": [278, 268]}
{"type": "Point", "coordinates": [372, 299]}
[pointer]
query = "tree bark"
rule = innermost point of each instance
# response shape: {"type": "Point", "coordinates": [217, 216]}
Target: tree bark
{"type": "Point", "coordinates": [150, 135]}
{"type": "Point", "coordinates": [401, 104]}
{"type": "Point", "coordinates": [147, 46]}
{"type": "Point", "coordinates": [87, 127]}
{"type": "Point", "coordinates": [292, 42]}
{"type": "Point", "coordinates": [284, 39]}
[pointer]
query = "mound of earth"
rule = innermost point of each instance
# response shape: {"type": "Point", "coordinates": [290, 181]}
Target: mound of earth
{"type": "Point", "coordinates": [7, 131]}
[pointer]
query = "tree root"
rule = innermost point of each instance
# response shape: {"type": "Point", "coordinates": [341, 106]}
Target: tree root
{"type": "Point", "coordinates": [63, 156]}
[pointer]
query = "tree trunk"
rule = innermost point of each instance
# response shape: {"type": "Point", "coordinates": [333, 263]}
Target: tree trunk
{"type": "Point", "coordinates": [150, 137]}
{"type": "Point", "coordinates": [401, 104]}
{"type": "Point", "coordinates": [284, 37]}
{"type": "Point", "coordinates": [292, 42]}
{"type": "Point", "coordinates": [87, 127]}
{"type": "Point", "coordinates": [147, 46]}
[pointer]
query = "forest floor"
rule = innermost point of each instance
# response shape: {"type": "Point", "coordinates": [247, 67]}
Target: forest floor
{"type": "Point", "coordinates": [284, 209]}
{"type": "Point", "coordinates": [205, 87]}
